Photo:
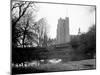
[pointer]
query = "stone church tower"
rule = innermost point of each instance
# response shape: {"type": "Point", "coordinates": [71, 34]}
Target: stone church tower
{"type": "Point", "coordinates": [63, 31]}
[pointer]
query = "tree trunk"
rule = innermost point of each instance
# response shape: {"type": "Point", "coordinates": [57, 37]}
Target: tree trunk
{"type": "Point", "coordinates": [23, 40]}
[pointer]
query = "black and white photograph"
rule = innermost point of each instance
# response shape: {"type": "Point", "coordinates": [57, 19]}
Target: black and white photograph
{"type": "Point", "coordinates": [52, 37]}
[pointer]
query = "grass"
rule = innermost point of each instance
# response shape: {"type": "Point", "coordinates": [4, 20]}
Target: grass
{"type": "Point", "coordinates": [63, 66]}
{"type": "Point", "coordinates": [74, 65]}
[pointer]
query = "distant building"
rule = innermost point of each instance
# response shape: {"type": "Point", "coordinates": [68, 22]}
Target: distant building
{"type": "Point", "coordinates": [63, 31]}
{"type": "Point", "coordinates": [79, 31]}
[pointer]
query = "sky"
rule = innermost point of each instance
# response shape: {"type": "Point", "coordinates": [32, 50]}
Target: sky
{"type": "Point", "coordinates": [81, 17]}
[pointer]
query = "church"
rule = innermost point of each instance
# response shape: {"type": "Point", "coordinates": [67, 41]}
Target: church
{"type": "Point", "coordinates": [63, 31]}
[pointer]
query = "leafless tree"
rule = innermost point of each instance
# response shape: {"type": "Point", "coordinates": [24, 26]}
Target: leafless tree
{"type": "Point", "coordinates": [42, 32]}
{"type": "Point", "coordinates": [18, 11]}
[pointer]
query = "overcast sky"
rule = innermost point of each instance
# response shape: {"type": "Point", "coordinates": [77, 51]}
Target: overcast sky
{"type": "Point", "coordinates": [79, 17]}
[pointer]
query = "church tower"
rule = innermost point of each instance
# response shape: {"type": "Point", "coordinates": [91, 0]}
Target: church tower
{"type": "Point", "coordinates": [63, 31]}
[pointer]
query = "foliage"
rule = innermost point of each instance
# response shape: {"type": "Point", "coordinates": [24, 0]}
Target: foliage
{"type": "Point", "coordinates": [74, 41]}
{"type": "Point", "coordinates": [84, 45]}
{"type": "Point", "coordinates": [89, 41]}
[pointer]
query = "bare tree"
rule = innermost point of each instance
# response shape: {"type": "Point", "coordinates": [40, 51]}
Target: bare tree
{"type": "Point", "coordinates": [42, 32]}
{"type": "Point", "coordinates": [18, 11]}
{"type": "Point", "coordinates": [29, 35]}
